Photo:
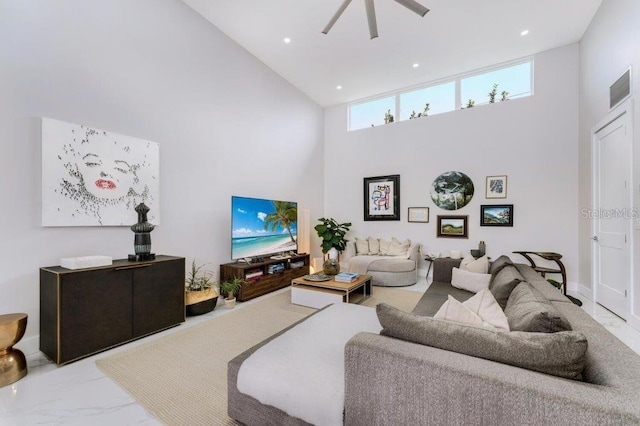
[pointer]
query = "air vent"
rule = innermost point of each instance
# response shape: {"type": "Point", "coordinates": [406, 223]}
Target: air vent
{"type": "Point", "coordinates": [620, 89]}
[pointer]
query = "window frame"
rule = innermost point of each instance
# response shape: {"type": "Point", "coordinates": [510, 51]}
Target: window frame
{"type": "Point", "coordinates": [457, 79]}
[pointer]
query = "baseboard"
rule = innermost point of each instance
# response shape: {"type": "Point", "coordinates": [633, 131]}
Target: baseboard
{"type": "Point", "coordinates": [29, 345]}
{"type": "Point", "coordinates": [634, 321]}
{"type": "Point", "coordinates": [585, 291]}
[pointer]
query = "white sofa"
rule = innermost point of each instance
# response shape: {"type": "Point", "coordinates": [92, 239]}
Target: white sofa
{"type": "Point", "coordinates": [385, 270]}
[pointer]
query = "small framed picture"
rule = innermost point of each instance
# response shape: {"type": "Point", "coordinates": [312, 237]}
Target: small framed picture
{"type": "Point", "coordinates": [382, 198]}
{"type": "Point", "coordinates": [418, 214]}
{"type": "Point", "coordinates": [496, 215]}
{"type": "Point", "coordinates": [496, 187]}
{"type": "Point", "coordinates": [453, 226]}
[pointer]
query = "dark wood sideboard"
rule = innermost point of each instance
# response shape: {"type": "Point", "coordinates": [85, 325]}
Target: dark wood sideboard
{"type": "Point", "coordinates": [265, 277]}
{"type": "Point", "coordinates": [85, 311]}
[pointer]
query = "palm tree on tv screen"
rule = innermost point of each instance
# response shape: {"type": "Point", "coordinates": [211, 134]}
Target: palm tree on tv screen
{"type": "Point", "coordinates": [285, 215]}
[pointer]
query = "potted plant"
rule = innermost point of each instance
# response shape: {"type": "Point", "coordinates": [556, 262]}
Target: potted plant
{"type": "Point", "coordinates": [333, 242]}
{"type": "Point", "coordinates": [230, 288]}
{"type": "Point", "coordinates": [200, 294]}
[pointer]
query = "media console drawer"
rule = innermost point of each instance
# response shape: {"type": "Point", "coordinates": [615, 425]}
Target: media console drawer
{"type": "Point", "coordinates": [85, 311]}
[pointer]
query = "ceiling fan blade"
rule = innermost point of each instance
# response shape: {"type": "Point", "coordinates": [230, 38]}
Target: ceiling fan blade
{"type": "Point", "coordinates": [371, 18]}
{"type": "Point", "coordinates": [414, 6]}
{"type": "Point", "coordinates": [336, 16]}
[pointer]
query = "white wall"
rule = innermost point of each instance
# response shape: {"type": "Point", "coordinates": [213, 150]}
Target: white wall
{"type": "Point", "coordinates": [608, 48]}
{"type": "Point", "coordinates": [532, 140]}
{"type": "Point", "coordinates": [153, 69]}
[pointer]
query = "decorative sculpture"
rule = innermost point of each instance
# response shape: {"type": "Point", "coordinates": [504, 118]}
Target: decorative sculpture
{"type": "Point", "coordinates": [142, 239]}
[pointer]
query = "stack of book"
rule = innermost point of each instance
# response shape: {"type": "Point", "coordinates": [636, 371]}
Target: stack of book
{"type": "Point", "coordinates": [253, 274]}
{"type": "Point", "coordinates": [346, 277]}
{"type": "Point", "coordinates": [277, 267]}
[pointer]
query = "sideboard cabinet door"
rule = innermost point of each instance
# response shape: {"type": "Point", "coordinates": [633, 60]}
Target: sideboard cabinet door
{"type": "Point", "coordinates": [158, 297]}
{"type": "Point", "coordinates": [95, 311]}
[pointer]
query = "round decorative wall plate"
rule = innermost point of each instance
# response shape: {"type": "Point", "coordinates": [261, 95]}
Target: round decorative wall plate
{"type": "Point", "coordinates": [452, 190]}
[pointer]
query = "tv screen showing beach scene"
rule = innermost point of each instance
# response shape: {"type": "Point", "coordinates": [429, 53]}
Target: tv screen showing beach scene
{"type": "Point", "coordinates": [262, 227]}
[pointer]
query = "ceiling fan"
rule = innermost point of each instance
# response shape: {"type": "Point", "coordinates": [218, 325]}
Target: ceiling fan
{"type": "Point", "coordinates": [371, 14]}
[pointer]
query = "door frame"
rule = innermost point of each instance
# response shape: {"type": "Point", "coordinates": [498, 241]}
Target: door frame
{"type": "Point", "coordinates": [624, 108]}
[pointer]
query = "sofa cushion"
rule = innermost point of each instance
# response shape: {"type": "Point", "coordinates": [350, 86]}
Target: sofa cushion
{"type": "Point", "coordinates": [561, 354]}
{"type": "Point", "coordinates": [541, 284]}
{"type": "Point", "coordinates": [362, 246]}
{"type": "Point", "coordinates": [481, 310]}
{"type": "Point", "coordinates": [398, 248]}
{"type": "Point", "coordinates": [499, 263]}
{"type": "Point", "coordinates": [503, 283]}
{"type": "Point", "coordinates": [471, 264]}
{"type": "Point", "coordinates": [384, 246]}
{"type": "Point", "coordinates": [374, 246]}
{"type": "Point", "coordinates": [528, 310]}
{"type": "Point", "coordinates": [455, 311]}
{"type": "Point", "coordinates": [395, 264]}
{"type": "Point", "coordinates": [486, 307]}
{"type": "Point", "coordinates": [436, 295]}
{"type": "Point", "coordinates": [470, 281]}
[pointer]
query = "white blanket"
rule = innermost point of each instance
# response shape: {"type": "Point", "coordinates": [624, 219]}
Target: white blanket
{"type": "Point", "coordinates": [301, 372]}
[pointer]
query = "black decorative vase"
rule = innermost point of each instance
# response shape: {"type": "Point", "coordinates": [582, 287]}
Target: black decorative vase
{"type": "Point", "coordinates": [142, 239]}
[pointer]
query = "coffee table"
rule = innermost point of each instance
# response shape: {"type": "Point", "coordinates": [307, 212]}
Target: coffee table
{"type": "Point", "coordinates": [316, 294]}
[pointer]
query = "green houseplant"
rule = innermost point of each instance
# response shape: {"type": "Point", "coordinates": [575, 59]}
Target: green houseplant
{"type": "Point", "coordinates": [333, 242]}
{"type": "Point", "coordinates": [200, 294]}
{"type": "Point", "coordinates": [230, 288]}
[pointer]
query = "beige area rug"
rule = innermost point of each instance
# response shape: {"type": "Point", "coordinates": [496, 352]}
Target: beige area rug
{"type": "Point", "coordinates": [182, 378]}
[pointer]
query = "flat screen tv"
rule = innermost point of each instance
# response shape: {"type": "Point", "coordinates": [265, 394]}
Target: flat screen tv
{"type": "Point", "coordinates": [261, 227]}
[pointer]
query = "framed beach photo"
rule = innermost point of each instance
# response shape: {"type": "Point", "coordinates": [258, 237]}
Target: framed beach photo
{"type": "Point", "coordinates": [496, 187]}
{"type": "Point", "coordinates": [418, 214]}
{"type": "Point", "coordinates": [453, 226]}
{"type": "Point", "coordinates": [382, 198]}
{"type": "Point", "coordinates": [496, 215]}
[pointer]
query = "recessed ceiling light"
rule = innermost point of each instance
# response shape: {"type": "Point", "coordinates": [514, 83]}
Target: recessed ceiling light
{"type": "Point", "coordinates": [524, 33]}
{"type": "Point", "coordinates": [416, 65]}
{"type": "Point", "coordinates": [339, 87]}
{"type": "Point", "coordinates": [287, 40]}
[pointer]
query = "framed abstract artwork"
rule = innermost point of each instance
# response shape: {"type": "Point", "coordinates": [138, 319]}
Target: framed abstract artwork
{"type": "Point", "coordinates": [496, 187]}
{"type": "Point", "coordinates": [93, 177]}
{"type": "Point", "coordinates": [382, 198]}
{"type": "Point", "coordinates": [418, 214]}
{"type": "Point", "coordinates": [496, 215]}
{"type": "Point", "coordinates": [453, 226]}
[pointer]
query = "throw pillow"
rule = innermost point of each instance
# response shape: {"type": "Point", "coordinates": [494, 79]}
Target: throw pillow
{"type": "Point", "coordinates": [560, 354]}
{"type": "Point", "coordinates": [384, 246]}
{"type": "Point", "coordinates": [398, 248]}
{"type": "Point", "coordinates": [374, 246]}
{"type": "Point", "coordinates": [503, 283]}
{"type": "Point", "coordinates": [528, 310]}
{"type": "Point", "coordinates": [453, 310]}
{"type": "Point", "coordinates": [362, 246]}
{"type": "Point", "coordinates": [471, 264]}
{"type": "Point", "coordinates": [485, 306]}
{"type": "Point", "coordinates": [469, 281]}
{"type": "Point", "coordinates": [499, 263]}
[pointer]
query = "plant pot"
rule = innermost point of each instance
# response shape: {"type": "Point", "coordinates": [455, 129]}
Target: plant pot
{"type": "Point", "coordinates": [333, 253]}
{"type": "Point", "coordinates": [201, 307]}
{"type": "Point", "coordinates": [231, 303]}
{"type": "Point", "coordinates": [200, 302]}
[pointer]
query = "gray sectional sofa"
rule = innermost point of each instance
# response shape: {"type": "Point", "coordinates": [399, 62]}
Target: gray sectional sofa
{"type": "Point", "coordinates": [392, 381]}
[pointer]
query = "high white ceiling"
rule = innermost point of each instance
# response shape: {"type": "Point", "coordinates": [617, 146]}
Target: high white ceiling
{"type": "Point", "coordinates": [456, 36]}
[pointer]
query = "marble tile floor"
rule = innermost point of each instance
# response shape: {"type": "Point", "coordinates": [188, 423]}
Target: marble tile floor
{"type": "Point", "coordinates": [79, 394]}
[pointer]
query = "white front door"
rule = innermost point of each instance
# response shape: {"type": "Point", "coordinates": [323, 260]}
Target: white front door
{"type": "Point", "coordinates": [613, 215]}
